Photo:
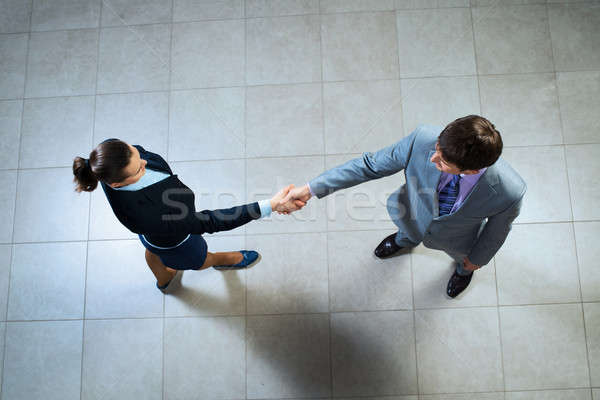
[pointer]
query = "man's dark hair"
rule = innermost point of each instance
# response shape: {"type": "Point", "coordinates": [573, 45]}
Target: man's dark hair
{"type": "Point", "coordinates": [470, 143]}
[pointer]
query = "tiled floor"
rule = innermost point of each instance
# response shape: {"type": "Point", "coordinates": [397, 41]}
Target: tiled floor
{"type": "Point", "coordinates": [244, 97]}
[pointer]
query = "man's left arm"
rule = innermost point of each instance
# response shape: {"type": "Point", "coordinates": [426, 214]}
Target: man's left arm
{"type": "Point", "coordinates": [494, 234]}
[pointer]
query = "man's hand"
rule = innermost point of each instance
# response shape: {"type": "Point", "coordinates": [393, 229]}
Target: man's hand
{"type": "Point", "coordinates": [469, 266]}
{"type": "Point", "coordinates": [301, 193]}
{"type": "Point", "coordinates": [284, 204]}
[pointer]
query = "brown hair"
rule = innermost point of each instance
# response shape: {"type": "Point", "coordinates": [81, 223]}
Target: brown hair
{"type": "Point", "coordinates": [470, 143]}
{"type": "Point", "coordinates": [107, 163]}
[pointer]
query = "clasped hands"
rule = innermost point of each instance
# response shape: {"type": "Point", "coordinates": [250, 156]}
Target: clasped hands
{"type": "Point", "coordinates": [290, 199]}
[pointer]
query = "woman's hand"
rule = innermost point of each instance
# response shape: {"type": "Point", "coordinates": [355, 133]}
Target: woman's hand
{"type": "Point", "coordinates": [280, 204]}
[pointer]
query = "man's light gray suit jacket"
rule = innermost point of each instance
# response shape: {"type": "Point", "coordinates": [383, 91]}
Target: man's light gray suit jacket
{"type": "Point", "coordinates": [477, 229]}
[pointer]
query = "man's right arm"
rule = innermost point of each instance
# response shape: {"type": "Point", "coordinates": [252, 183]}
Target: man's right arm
{"type": "Point", "coordinates": [369, 166]}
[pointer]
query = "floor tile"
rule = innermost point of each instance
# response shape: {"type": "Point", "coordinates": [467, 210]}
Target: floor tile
{"type": "Point", "coordinates": [267, 176]}
{"type": "Point", "coordinates": [292, 275]}
{"type": "Point", "coordinates": [337, 6]}
{"type": "Point", "coordinates": [8, 182]}
{"type": "Point", "coordinates": [359, 46]}
{"type": "Point", "coordinates": [10, 133]}
{"type": "Point", "coordinates": [382, 398]}
{"type": "Point", "coordinates": [362, 116]}
{"type": "Point", "coordinates": [575, 37]}
{"type": "Point", "coordinates": [65, 14]}
{"type": "Point", "coordinates": [14, 16]}
{"type": "Point", "coordinates": [431, 271]}
{"type": "Point", "coordinates": [524, 108]}
{"type": "Point", "coordinates": [134, 59]}
{"type": "Point", "coordinates": [137, 118]}
{"type": "Point", "coordinates": [363, 206]}
{"type": "Point", "coordinates": [120, 286]}
{"type": "Point", "coordinates": [273, 8]}
{"type": "Point", "coordinates": [65, 212]}
{"type": "Point", "coordinates": [122, 359]}
{"type": "Point", "coordinates": [512, 39]}
{"type": "Point", "coordinates": [373, 353]}
{"type": "Point", "coordinates": [47, 281]}
{"type": "Point", "coordinates": [207, 54]}
{"type": "Point", "coordinates": [297, 364]}
{"type": "Point", "coordinates": [283, 50]}
{"type": "Point", "coordinates": [215, 346]}
{"type": "Point", "coordinates": [572, 394]}
{"type": "Point", "coordinates": [543, 347]}
{"type": "Point", "coordinates": [211, 292]}
{"type": "Point", "coordinates": [13, 55]}
{"type": "Point", "coordinates": [5, 261]}
{"type": "Point", "coordinates": [441, 355]}
{"type": "Point", "coordinates": [408, 4]}
{"type": "Point", "coordinates": [359, 281]}
{"type": "Point", "coordinates": [596, 394]}
{"type": "Point", "coordinates": [284, 120]}
{"type": "Point", "coordinates": [464, 396]}
{"type": "Point", "coordinates": [62, 63]}
{"type": "Point", "coordinates": [131, 12]}
{"type": "Point", "coordinates": [579, 94]}
{"type": "Point", "coordinates": [582, 161]}
{"type": "Point", "coordinates": [62, 126]}
{"type": "Point", "coordinates": [194, 10]}
{"type": "Point", "coordinates": [42, 360]}
{"type": "Point", "coordinates": [476, 3]}
{"type": "Point", "coordinates": [540, 168]}
{"type": "Point", "coordinates": [103, 222]}
{"type": "Point", "coordinates": [537, 264]}
{"type": "Point", "coordinates": [592, 327]}
{"type": "Point", "coordinates": [437, 42]}
{"type": "Point", "coordinates": [206, 124]}
{"type": "Point", "coordinates": [216, 185]}
{"type": "Point", "coordinates": [586, 235]}
{"type": "Point", "coordinates": [438, 101]}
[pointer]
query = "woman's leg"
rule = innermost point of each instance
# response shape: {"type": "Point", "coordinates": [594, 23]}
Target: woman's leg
{"type": "Point", "coordinates": [162, 273]}
{"type": "Point", "coordinates": [224, 258]}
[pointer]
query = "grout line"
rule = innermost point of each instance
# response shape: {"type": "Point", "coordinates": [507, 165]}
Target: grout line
{"type": "Point", "coordinates": [206, 88]}
{"type": "Point", "coordinates": [245, 127]}
{"type": "Point", "coordinates": [89, 221]}
{"type": "Point", "coordinates": [285, 157]}
{"type": "Point", "coordinates": [278, 233]}
{"type": "Point", "coordinates": [414, 313]}
{"type": "Point", "coordinates": [577, 262]}
{"type": "Point", "coordinates": [499, 326]}
{"type": "Point", "coordinates": [14, 222]}
{"type": "Point", "coordinates": [501, 343]}
{"type": "Point", "coordinates": [326, 235]}
{"type": "Point", "coordinates": [169, 100]}
{"type": "Point", "coordinates": [167, 317]}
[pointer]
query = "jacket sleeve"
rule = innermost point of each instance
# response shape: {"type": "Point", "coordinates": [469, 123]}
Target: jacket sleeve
{"type": "Point", "coordinates": [384, 162]}
{"type": "Point", "coordinates": [494, 234]}
{"type": "Point", "coordinates": [211, 221]}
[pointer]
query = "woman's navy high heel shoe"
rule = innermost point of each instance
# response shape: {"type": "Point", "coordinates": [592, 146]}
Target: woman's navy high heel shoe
{"type": "Point", "coordinates": [250, 258]}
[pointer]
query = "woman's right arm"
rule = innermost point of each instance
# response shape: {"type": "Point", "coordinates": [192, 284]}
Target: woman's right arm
{"type": "Point", "coordinates": [210, 221]}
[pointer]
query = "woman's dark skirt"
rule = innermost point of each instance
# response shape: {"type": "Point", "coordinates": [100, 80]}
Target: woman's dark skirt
{"type": "Point", "coordinates": [189, 254]}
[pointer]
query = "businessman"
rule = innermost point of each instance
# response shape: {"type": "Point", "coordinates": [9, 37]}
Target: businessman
{"type": "Point", "coordinates": [460, 196]}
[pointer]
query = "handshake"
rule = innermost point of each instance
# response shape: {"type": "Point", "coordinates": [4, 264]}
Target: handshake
{"type": "Point", "coordinates": [290, 199]}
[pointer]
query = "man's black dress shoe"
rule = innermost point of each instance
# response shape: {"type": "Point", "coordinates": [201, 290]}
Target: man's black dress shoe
{"type": "Point", "coordinates": [457, 284]}
{"type": "Point", "coordinates": [388, 247]}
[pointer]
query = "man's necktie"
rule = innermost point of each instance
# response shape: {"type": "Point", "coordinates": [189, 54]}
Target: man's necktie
{"type": "Point", "coordinates": [448, 195]}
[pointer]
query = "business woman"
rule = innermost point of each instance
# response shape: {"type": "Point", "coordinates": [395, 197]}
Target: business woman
{"type": "Point", "coordinates": [148, 199]}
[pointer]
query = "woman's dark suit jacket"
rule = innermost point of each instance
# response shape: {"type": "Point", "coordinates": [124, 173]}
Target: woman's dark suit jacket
{"type": "Point", "coordinates": [165, 212]}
